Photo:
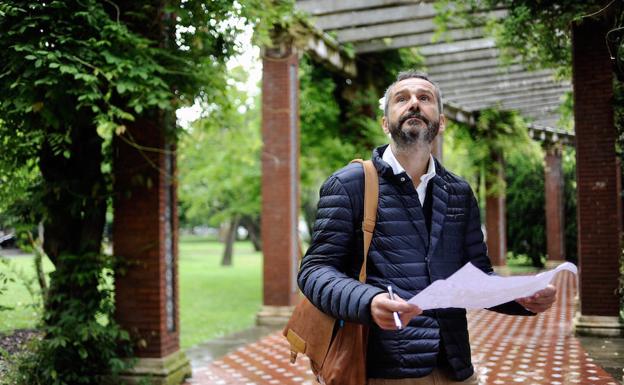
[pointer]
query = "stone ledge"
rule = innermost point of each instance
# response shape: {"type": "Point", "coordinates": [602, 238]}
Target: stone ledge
{"type": "Point", "coordinates": [598, 326]}
{"type": "Point", "coordinates": [274, 315]}
{"type": "Point", "coordinates": [170, 370]}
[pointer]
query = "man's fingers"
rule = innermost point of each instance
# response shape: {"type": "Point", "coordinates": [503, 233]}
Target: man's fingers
{"type": "Point", "coordinates": [547, 295]}
{"type": "Point", "coordinates": [407, 317]}
{"type": "Point", "coordinates": [540, 301]}
{"type": "Point", "coordinates": [382, 308]}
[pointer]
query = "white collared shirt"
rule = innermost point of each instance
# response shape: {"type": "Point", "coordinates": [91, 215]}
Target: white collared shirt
{"type": "Point", "coordinates": [389, 158]}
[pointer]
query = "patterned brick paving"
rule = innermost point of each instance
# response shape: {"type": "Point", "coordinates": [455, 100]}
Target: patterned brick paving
{"type": "Point", "coordinates": [537, 350]}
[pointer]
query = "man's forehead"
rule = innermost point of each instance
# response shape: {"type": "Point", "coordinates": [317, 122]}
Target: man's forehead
{"type": "Point", "coordinates": [413, 83]}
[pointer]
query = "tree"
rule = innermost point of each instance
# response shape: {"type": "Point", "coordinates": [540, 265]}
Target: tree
{"type": "Point", "coordinates": [73, 74]}
{"type": "Point", "coordinates": [525, 202]}
{"type": "Point", "coordinates": [220, 164]}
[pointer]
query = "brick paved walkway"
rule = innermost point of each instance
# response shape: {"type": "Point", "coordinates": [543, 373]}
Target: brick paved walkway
{"type": "Point", "coordinates": [506, 350]}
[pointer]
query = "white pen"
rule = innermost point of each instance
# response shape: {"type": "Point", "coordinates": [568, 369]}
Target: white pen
{"type": "Point", "coordinates": [397, 320]}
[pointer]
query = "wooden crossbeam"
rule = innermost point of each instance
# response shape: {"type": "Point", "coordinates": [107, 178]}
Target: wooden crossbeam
{"type": "Point", "coordinates": [374, 16]}
{"type": "Point", "coordinates": [416, 40]}
{"type": "Point", "coordinates": [483, 73]}
{"type": "Point", "coordinates": [496, 82]}
{"type": "Point", "coordinates": [510, 96]}
{"type": "Point", "coordinates": [462, 56]}
{"type": "Point", "coordinates": [537, 105]}
{"type": "Point", "coordinates": [464, 66]}
{"type": "Point", "coordinates": [387, 30]}
{"type": "Point", "coordinates": [445, 48]}
{"type": "Point", "coordinates": [323, 7]}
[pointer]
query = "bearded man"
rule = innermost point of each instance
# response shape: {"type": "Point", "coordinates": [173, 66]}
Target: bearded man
{"type": "Point", "coordinates": [428, 227]}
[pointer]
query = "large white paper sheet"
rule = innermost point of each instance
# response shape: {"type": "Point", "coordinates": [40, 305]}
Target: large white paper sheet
{"type": "Point", "coordinates": [471, 288]}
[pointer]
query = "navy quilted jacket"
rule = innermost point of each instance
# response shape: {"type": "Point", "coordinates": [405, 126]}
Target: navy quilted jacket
{"type": "Point", "coordinates": [402, 253]}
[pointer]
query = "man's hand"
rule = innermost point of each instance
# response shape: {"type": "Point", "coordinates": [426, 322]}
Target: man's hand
{"type": "Point", "coordinates": [540, 301]}
{"type": "Point", "coordinates": [382, 307]}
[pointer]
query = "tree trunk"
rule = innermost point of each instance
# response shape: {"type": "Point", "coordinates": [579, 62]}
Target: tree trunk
{"type": "Point", "coordinates": [229, 242]}
{"type": "Point", "coordinates": [252, 224]}
{"type": "Point", "coordinates": [74, 197]}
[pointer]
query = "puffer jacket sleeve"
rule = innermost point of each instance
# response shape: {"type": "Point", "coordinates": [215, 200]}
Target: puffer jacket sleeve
{"type": "Point", "coordinates": [476, 252]}
{"type": "Point", "coordinates": [322, 277]}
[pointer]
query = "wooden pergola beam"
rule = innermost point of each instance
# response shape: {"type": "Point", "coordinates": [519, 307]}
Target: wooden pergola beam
{"type": "Point", "coordinates": [415, 40]}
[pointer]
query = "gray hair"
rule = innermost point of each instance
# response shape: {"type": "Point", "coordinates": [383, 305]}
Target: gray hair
{"type": "Point", "coordinates": [408, 75]}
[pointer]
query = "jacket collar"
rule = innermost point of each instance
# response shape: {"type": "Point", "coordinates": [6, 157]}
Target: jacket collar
{"type": "Point", "coordinates": [385, 169]}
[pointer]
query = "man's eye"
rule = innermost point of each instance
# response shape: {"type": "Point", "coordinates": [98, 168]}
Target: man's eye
{"type": "Point", "coordinates": [401, 99]}
{"type": "Point", "coordinates": [425, 98]}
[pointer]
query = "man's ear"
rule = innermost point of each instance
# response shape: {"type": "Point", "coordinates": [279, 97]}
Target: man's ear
{"type": "Point", "coordinates": [442, 123]}
{"type": "Point", "coordinates": [384, 125]}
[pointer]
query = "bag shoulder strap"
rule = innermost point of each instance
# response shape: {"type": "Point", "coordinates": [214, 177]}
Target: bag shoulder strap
{"type": "Point", "coordinates": [371, 199]}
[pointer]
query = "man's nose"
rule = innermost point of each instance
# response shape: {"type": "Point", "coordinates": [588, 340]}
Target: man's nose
{"type": "Point", "coordinates": [414, 103]}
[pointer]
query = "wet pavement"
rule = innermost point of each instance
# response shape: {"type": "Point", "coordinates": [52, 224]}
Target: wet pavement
{"type": "Point", "coordinates": [536, 350]}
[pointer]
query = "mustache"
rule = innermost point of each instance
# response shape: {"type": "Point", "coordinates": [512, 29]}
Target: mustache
{"type": "Point", "coordinates": [413, 114]}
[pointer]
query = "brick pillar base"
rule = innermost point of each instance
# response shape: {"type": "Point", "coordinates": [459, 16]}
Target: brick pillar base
{"type": "Point", "coordinates": [495, 221]}
{"type": "Point", "coordinates": [145, 238]}
{"type": "Point", "coordinates": [597, 171]}
{"type": "Point", "coordinates": [553, 188]}
{"type": "Point", "coordinates": [280, 182]}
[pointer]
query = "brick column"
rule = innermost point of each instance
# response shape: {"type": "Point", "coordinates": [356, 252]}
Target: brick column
{"type": "Point", "coordinates": [280, 181]}
{"type": "Point", "coordinates": [599, 211]}
{"type": "Point", "coordinates": [553, 189]}
{"type": "Point", "coordinates": [495, 217]}
{"type": "Point", "coordinates": [145, 237]}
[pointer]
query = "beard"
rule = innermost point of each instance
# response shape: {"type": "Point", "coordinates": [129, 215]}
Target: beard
{"type": "Point", "coordinates": [405, 134]}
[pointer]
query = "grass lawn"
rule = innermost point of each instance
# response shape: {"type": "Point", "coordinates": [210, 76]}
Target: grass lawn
{"type": "Point", "coordinates": [521, 265]}
{"type": "Point", "coordinates": [214, 300]}
{"type": "Point", "coordinates": [26, 308]}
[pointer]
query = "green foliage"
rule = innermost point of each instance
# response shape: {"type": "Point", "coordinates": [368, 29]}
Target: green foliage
{"type": "Point", "coordinates": [566, 112]}
{"type": "Point", "coordinates": [82, 343]}
{"type": "Point", "coordinates": [5, 280]}
{"type": "Point", "coordinates": [74, 53]}
{"type": "Point", "coordinates": [525, 200]}
{"type": "Point", "coordinates": [72, 75]}
{"type": "Point", "coordinates": [524, 192]}
{"type": "Point", "coordinates": [569, 198]}
{"type": "Point", "coordinates": [496, 133]}
{"type": "Point", "coordinates": [526, 222]}
{"type": "Point", "coordinates": [322, 149]}
{"type": "Point", "coordinates": [219, 162]}
{"type": "Point", "coordinates": [67, 64]}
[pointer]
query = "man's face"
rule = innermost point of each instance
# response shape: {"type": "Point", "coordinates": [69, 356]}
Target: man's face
{"type": "Point", "coordinates": [413, 114]}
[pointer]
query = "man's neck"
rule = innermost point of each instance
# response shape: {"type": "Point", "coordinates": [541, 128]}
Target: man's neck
{"type": "Point", "coordinates": [414, 159]}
